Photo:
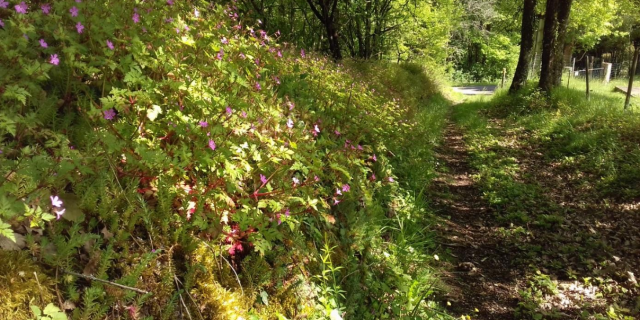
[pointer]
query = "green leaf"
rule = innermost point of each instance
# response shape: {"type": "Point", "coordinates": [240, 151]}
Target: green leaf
{"type": "Point", "coordinates": [17, 93]}
{"type": "Point", "coordinates": [36, 311]}
{"type": "Point", "coordinates": [265, 297]}
{"type": "Point", "coordinates": [7, 124]}
{"type": "Point", "coordinates": [50, 309]}
{"type": "Point", "coordinates": [5, 230]}
{"type": "Point", "coordinates": [72, 207]}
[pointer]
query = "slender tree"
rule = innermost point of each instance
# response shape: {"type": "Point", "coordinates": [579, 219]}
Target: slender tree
{"type": "Point", "coordinates": [632, 73]}
{"type": "Point", "coordinates": [527, 32]}
{"type": "Point", "coordinates": [555, 25]}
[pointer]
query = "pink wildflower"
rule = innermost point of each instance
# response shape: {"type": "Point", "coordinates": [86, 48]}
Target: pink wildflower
{"type": "Point", "coordinates": [302, 54]}
{"type": "Point", "coordinates": [295, 181]}
{"type": "Point", "coordinates": [212, 145]}
{"type": "Point", "coordinates": [109, 114]}
{"type": "Point", "coordinates": [21, 8]}
{"type": "Point", "coordinates": [79, 27]}
{"type": "Point", "coordinates": [4, 4]}
{"type": "Point", "coordinates": [263, 179]}
{"type": "Point", "coordinates": [46, 8]}
{"type": "Point", "coordinates": [110, 45]}
{"type": "Point", "coordinates": [191, 209]}
{"type": "Point", "coordinates": [346, 188]}
{"type": "Point", "coordinates": [43, 43]}
{"type": "Point", "coordinates": [229, 111]}
{"type": "Point", "coordinates": [290, 123]}
{"type": "Point", "coordinates": [54, 59]}
{"type": "Point", "coordinates": [203, 124]}
{"type": "Point", "coordinates": [136, 18]}
{"type": "Point", "coordinates": [74, 11]}
{"type": "Point", "coordinates": [59, 213]}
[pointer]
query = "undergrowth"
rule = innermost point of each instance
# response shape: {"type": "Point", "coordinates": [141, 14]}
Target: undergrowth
{"type": "Point", "coordinates": [173, 149]}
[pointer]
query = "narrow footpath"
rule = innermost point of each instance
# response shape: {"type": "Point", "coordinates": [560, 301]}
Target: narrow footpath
{"type": "Point", "coordinates": [482, 280]}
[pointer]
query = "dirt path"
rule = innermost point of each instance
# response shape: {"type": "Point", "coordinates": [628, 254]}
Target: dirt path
{"type": "Point", "coordinates": [482, 276]}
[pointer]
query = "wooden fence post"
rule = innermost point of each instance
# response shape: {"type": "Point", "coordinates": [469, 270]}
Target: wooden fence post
{"type": "Point", "coordinates": [588, 96]}
{"type": "Point", "coordinates": [632, 73]}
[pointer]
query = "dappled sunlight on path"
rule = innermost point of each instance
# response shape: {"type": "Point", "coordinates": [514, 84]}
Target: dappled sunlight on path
{"type": "Point", "coordinates": [532, 228]}
{"type": "Point", "coordinates": [481, 279]}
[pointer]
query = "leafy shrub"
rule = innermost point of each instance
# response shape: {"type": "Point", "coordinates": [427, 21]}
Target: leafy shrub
{"type": "Point", "coordinates": [129, 136]}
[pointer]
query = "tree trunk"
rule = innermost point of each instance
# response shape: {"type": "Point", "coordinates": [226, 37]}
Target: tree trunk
{"type": "Point", "coordinates": [327, 14]}
{"type": "Point", "coordinates": [368, 16]}
{"type": "Point", "coordinates": [526, 45]}
{"type": "Point", "coordinates": [555, 26]}
{"type": "Point", "coordinates": [334, 41]}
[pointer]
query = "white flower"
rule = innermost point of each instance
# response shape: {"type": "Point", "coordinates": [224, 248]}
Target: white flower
{"type": "Point", "coordinates": [55, 201]}
{"type": "Point", "coordinates": [335, 315]}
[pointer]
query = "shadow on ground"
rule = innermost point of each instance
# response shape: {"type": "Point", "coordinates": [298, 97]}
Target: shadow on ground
{"type": "Point", "coordinates": [529, 236]}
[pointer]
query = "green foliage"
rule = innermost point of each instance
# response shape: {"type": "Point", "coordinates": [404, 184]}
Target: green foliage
{"type": "Point", "coordinates": [131, 143]}
{"type": "Point", "coordinates": [583, 27]}
{"type": "Point", "coordinates": [50, 312]}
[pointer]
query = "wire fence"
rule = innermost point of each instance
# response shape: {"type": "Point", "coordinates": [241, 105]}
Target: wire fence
{"type": "Point", "coordinates": [577, 67]}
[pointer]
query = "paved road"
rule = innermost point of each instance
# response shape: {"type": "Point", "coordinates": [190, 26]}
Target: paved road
{"type": "Point", "coordinates": [476, 90]}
